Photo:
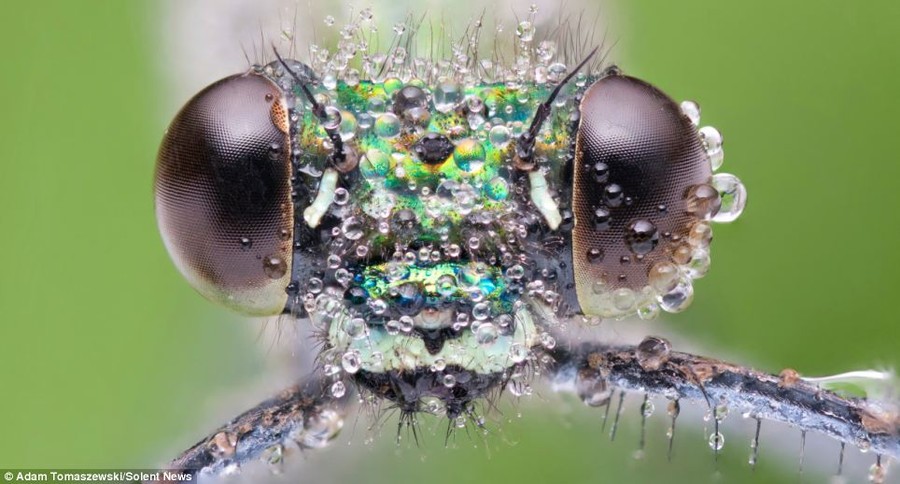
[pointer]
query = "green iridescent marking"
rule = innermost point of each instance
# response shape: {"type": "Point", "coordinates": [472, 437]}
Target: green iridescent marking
{"type": "Point", "coordinates": [446, 282]}
{"type": "Point", "coordinates": [475, 177]}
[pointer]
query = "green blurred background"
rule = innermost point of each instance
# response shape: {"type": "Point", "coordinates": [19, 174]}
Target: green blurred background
{"type": "Point", "coordinates": [109, 359]}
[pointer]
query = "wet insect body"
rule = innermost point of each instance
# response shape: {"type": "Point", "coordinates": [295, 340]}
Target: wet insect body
{"type": "Point", "coordinates": [440, 235]}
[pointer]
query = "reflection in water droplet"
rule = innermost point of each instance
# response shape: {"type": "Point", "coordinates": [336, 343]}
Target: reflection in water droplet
{"type": "Point", "coordinates": [692, 111]}
{"type": "Point", "coordinates": [469, 155]}
{"type": "Point", "coordinates": [716, 441]}
{"type": "Point", "coordinates": [352, 228]}
{"type": "Point", "coordinates": [274, 267]}
{"type": "Point", "coordinates": [653, 352]}
{"type": "Point", "coordinates": [499, 136]}
{"type": "Point", "coordinates": [702, 201]}
{"type": "Point", "coordinates": [486, 334]}
{"type": "Point", "coordinates": [387, 125]}
{"type": "Point", "coordinates": [641, 237]}
{"type": "Point", "coordinates": [733, 195]}
{"type": "Point", "coordinates": [350, 361]}
{"type": "Point", "coordinates": [663, 276]}
{"type": "Point", "coordinates": [332, 118]}
{"type": "Point", "coordinates": [679, 298]}
{"type": "Point", "coordinates": [338, 389]}
{"type": "Point", "coordinates": [592, 388]}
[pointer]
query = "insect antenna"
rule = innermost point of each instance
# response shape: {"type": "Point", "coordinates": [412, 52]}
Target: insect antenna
{"type": "Point", "coordinates": [338, 155]}
{"type": "Point", "coordinates": [525, 146]}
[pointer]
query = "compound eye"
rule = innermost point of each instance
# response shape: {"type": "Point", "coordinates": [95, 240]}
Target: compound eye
{"type": "Point", "coordinates": [222, 190]}
{"type": "Point", "coordinates": [643, 193]}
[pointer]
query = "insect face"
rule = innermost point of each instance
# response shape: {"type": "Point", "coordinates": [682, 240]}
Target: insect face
{"type": "Point", "coordinates": [436, 228]}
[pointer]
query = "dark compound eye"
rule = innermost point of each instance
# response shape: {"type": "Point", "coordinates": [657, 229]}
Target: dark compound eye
{"type": "Point", "coordinates": [643, 195]}
{"type": "Point", "coordinates": [223, 194]}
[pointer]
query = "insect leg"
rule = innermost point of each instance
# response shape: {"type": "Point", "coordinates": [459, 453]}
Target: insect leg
{"type": "Point", "coordinates": [858, 422]}
{"type": "Point", "coordinates": [305, 415]}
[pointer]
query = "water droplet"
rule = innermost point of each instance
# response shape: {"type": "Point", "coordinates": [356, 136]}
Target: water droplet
{"type": "Point", "coordinates": [329, 20]}
{"type": "Point", "coordinates": [712, 139]}
{"type": "Point", "coordinates": [716, 441]}
{"type": "Point", "coordinates": [699, 265]}
{"type": "Point", "coordinates": [274, 267]}
{"type": "Point", "coordinates": [703, 201]}
{"type": "Point", "coordinates": [332, 118]}
{"type": "Point", "coordinates": [350, 361]}
{"type": "Point", "coordinates": [348, 126]}
{"type": "Point", "coordinates": [407, 323]}
{"type": "Point", "coordinates": [648, 310]}
{"type": "Point", "coordinates": [602, 217]}
{"type": "Point", "coordinates": [525, 31]}
{"type": "Point", "coordinates": [352, 228]}
{"type": "Point", "coordinates": [700, 235]}
{"type": "Point", "coordinates": [592, 388]}
{"type": "Point", "coordinates": [623, 299]}
{"type": "Point", "coordinates": [595, 255]}
{"type": "Point", "coordinates": [408, 98]}
{"type": "Point", "coordinates": [499, 136]}
{"type": "Point", "coordinates": [481, 311]}
{"type": "Point", "coordinates": [338, 389]}
{"type": "Point", "coordinates": [641, 237]}
{"type": "Point", "coordinates": [486, 334]}
{"type": "Point", "coordinates": [692, 111]}
{"type": "Point", "coordinates": [515, 272]}
{"type": "Point", "coordinates": [653, 352]}
{"type": "Point", "coordinates": [447, 95]}
{"type": "Point", "coordinates": [449, 380]}
{"type": "Point", "coordinates": [341, 196]}
{"type": "Point", "coordinates": [647, 408]}
{"type": "Point", "coordinates": [546, 50]}
{"type": "Point", "coordinates": [877, 472]}
{"type": "Point", "coordinates": [246, 243]}
{"type": "Point", "coordinates": [679, 298]}
{"type": "Point", "coordinates": [613, 195]}
{"type": "Point", "coordinates": [356, 328]}
{"type": "Point", "coordinates": [321, 429]}
{"type": "Point", "coordinates": [469, 155]}
{"type": "Point", "coordinates": [387, 125]}
{"type": "Point", "coordinates": [733, 195]}
{"type": "Point", "coordinates": [518, 352]}
{"type": "Point", "coordinates": [663, 276]}
{"type": "Point", "coordinates": [721, 412]}
{"type": "Point", "coordinates": [600, 172]}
